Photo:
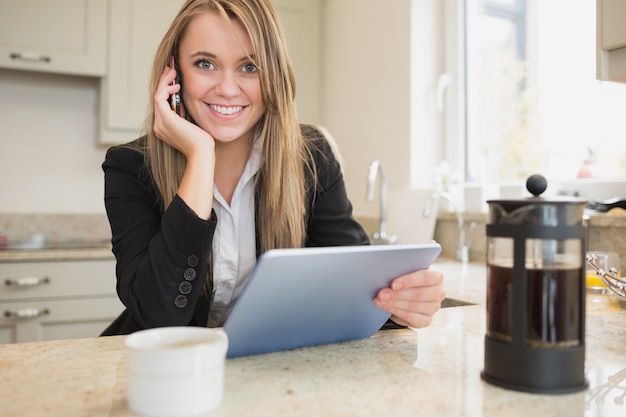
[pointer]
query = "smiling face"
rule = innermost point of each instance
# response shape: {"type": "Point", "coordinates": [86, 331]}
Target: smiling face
{"type": "Point", "coordinates": [221, 86]}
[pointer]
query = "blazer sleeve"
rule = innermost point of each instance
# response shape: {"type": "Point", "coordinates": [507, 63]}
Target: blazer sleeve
{"type": "Point", "coordinates": [162, 256]}
{"type": "Point", "coordinates": [330, 221]}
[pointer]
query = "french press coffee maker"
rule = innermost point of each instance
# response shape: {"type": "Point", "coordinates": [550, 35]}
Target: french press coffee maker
{"type": "Point", "coordinates": [535, 339]}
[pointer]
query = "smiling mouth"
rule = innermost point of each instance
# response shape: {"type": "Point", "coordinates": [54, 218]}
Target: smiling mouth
{"type": "Point", "coordinates": [226, 110]}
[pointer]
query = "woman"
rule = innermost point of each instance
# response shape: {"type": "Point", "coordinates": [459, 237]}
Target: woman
{"type": "Point", "coordinates": [194, 202]}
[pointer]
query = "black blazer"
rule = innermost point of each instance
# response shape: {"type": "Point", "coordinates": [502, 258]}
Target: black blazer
{"type": "Point", "coordinates": [163, 255]}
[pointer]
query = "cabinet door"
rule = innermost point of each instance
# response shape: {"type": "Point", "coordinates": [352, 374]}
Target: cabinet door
{"type": "Point", "coordinates": [41, 320]}
{"type": "Point", "coordinates": [302, 23]}
{"type": "Point", "coordinates": [135, 30]}
{"type": "Point", "coordinates": [54, 36]}
{"type": "Point", "coordinates": [613, 29]}
{"type": "Point", "coordinates": [56, 299]}
{"type": "Point", "coordinates": [42, 280]}
{"type": "Point", "coordinates": [611, 40]}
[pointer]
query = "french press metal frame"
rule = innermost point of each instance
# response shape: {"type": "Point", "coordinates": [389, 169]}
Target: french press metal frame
{"type": "Point", "coordinates": [516, 364]}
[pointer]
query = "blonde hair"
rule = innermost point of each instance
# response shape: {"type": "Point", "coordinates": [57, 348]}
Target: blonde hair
{"type": "Point", "coordinates": [285, 158]}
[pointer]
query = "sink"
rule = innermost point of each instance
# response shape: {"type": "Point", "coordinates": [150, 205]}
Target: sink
{"type": "Point", "coordinates": [453, 302]}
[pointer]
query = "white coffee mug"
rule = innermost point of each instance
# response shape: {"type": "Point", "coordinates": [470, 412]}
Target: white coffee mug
{"type": "Point", "coordinates": [175, 371]}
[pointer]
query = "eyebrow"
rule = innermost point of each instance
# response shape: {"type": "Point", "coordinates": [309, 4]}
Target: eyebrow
{"type": "Point", "coordinates": [206, 54]}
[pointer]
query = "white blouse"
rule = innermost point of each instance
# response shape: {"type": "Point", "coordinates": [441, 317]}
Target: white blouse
{"type": "Point", "coordinates": [234, 242]}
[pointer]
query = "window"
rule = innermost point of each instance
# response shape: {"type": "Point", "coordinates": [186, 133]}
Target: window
{"type": "Point", "coordinates": [532, 100]}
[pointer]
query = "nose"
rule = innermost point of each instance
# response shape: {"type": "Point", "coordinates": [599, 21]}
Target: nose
{"type": "Point", "coordinates": [228, 85]}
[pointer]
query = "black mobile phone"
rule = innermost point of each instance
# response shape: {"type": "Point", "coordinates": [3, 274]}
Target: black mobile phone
{"type": "Point", "coordinates": [175, 99]}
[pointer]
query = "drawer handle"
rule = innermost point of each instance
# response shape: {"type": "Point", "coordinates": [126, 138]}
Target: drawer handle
{"type": "Point", "coordinates": [30, 56]}
{"type": "Point", "coordinates": [26, 313]}
{"type": "Point", "coordinates": [26, 281]}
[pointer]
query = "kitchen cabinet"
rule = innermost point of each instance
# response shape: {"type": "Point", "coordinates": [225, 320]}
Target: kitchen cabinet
{"type": "Point", "coordinates": [302, 23]}
{"type": "Point", "coordinates": [611, 40]}
{"type": "Point", "coordinates": [32, 39]}
{"type": "Point", "coordinates": [56, 299]}
{"type": "Point", "coordinates": [135, 30]}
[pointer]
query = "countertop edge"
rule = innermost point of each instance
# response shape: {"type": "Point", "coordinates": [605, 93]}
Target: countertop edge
{"type": "Point", "coordinates": [42, 255]}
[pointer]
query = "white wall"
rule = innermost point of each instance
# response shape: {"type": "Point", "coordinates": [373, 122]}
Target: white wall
{"type": "Point", "coordinates": [49, 161]}
{"type": "Point", "coordinates": [380, 79]}
{"type": "Point", "coordinates": [366, 102]}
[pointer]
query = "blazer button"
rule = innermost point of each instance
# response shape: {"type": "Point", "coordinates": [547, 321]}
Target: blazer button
{"type": "Point", "coordinates": [184, 287]}
{"type": "Point", "coordinates": [192, 261]}
{"type": "Point", "coordinates": [180, 301]}
{"type": "Point", "coordinates": [190, 274]}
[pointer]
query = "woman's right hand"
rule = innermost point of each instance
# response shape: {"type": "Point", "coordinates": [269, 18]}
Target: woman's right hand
{"type": "Point", "coordinates": [198, 146]}
{"type": "Point", "coordinates": [170, 127]}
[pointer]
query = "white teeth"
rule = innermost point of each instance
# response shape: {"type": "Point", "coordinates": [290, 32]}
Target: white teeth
{"type": "Point", "coordinates": [226, 110]}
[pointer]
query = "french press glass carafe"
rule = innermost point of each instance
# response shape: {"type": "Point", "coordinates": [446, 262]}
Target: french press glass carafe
{"type": "Point", "coordinates": [535, 338]}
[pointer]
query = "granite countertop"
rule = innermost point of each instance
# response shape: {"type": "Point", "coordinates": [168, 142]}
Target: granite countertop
{"type": "Point", "coordinates": [428, 372]}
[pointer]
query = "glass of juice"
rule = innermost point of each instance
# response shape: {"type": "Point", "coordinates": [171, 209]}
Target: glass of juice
{"type": "Point", "coordinates": [605, 260]}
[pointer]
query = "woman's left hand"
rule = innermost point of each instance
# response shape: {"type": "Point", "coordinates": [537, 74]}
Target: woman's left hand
{"type": "Point", "coordinates": [414, 298]}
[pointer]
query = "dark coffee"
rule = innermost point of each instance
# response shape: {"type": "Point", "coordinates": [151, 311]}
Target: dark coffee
{"type": "Point", "coordinates": [499, 302]}
{"type": "Point", "coordinates": [553, 303]}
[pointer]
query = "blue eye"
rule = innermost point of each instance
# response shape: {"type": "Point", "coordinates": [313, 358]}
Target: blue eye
{"type": "Point", "coordinates": [205, 64]}
{"type": "Point", "coordinates": [249, 67]}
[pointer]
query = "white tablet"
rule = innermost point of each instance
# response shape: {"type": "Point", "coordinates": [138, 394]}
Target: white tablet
{"type": "Point", "coordinates": [313, 296]}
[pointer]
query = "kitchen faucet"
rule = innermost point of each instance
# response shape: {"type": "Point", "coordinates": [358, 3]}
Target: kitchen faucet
{"type": "Point", "coordinates": [379, 237]}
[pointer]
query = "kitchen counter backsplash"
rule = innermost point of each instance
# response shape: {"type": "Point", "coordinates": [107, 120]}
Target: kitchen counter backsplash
{"type": "Point", "coordinates": [40, 231]}
{"type": "Point", "coordinates": [605, 232]}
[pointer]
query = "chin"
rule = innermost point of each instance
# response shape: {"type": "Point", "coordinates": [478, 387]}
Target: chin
{"type": "Point", "coordinates": [229, 135]}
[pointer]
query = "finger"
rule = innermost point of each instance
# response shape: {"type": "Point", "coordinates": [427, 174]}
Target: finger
{"type": "Point", "coordinates": [434, 293]}
{"type": "Point", "coordinates": [421, 278]}
{"type": "Point", "coordinates": [164, 117]}
{"type": "Point", "coordinates": [414, 320]}
{"type": "Point", "coordinates": [415, 314]}
{"type": "Point", "coordinates": [398, 320]}
{"type": "Point", "coordinates": [404, 308]}
{"type": "Point", "coordinates": [165, 88]}
{"type": "Point", "coordinates": [412, 306]}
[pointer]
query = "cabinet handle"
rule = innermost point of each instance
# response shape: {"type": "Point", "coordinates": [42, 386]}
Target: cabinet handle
{"type": "Point", "coordinates": [26, 281]}
{"type": "Point", "coordinates": [26, 313]}
{"type": "Point", "coordinates": [30, 56]}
